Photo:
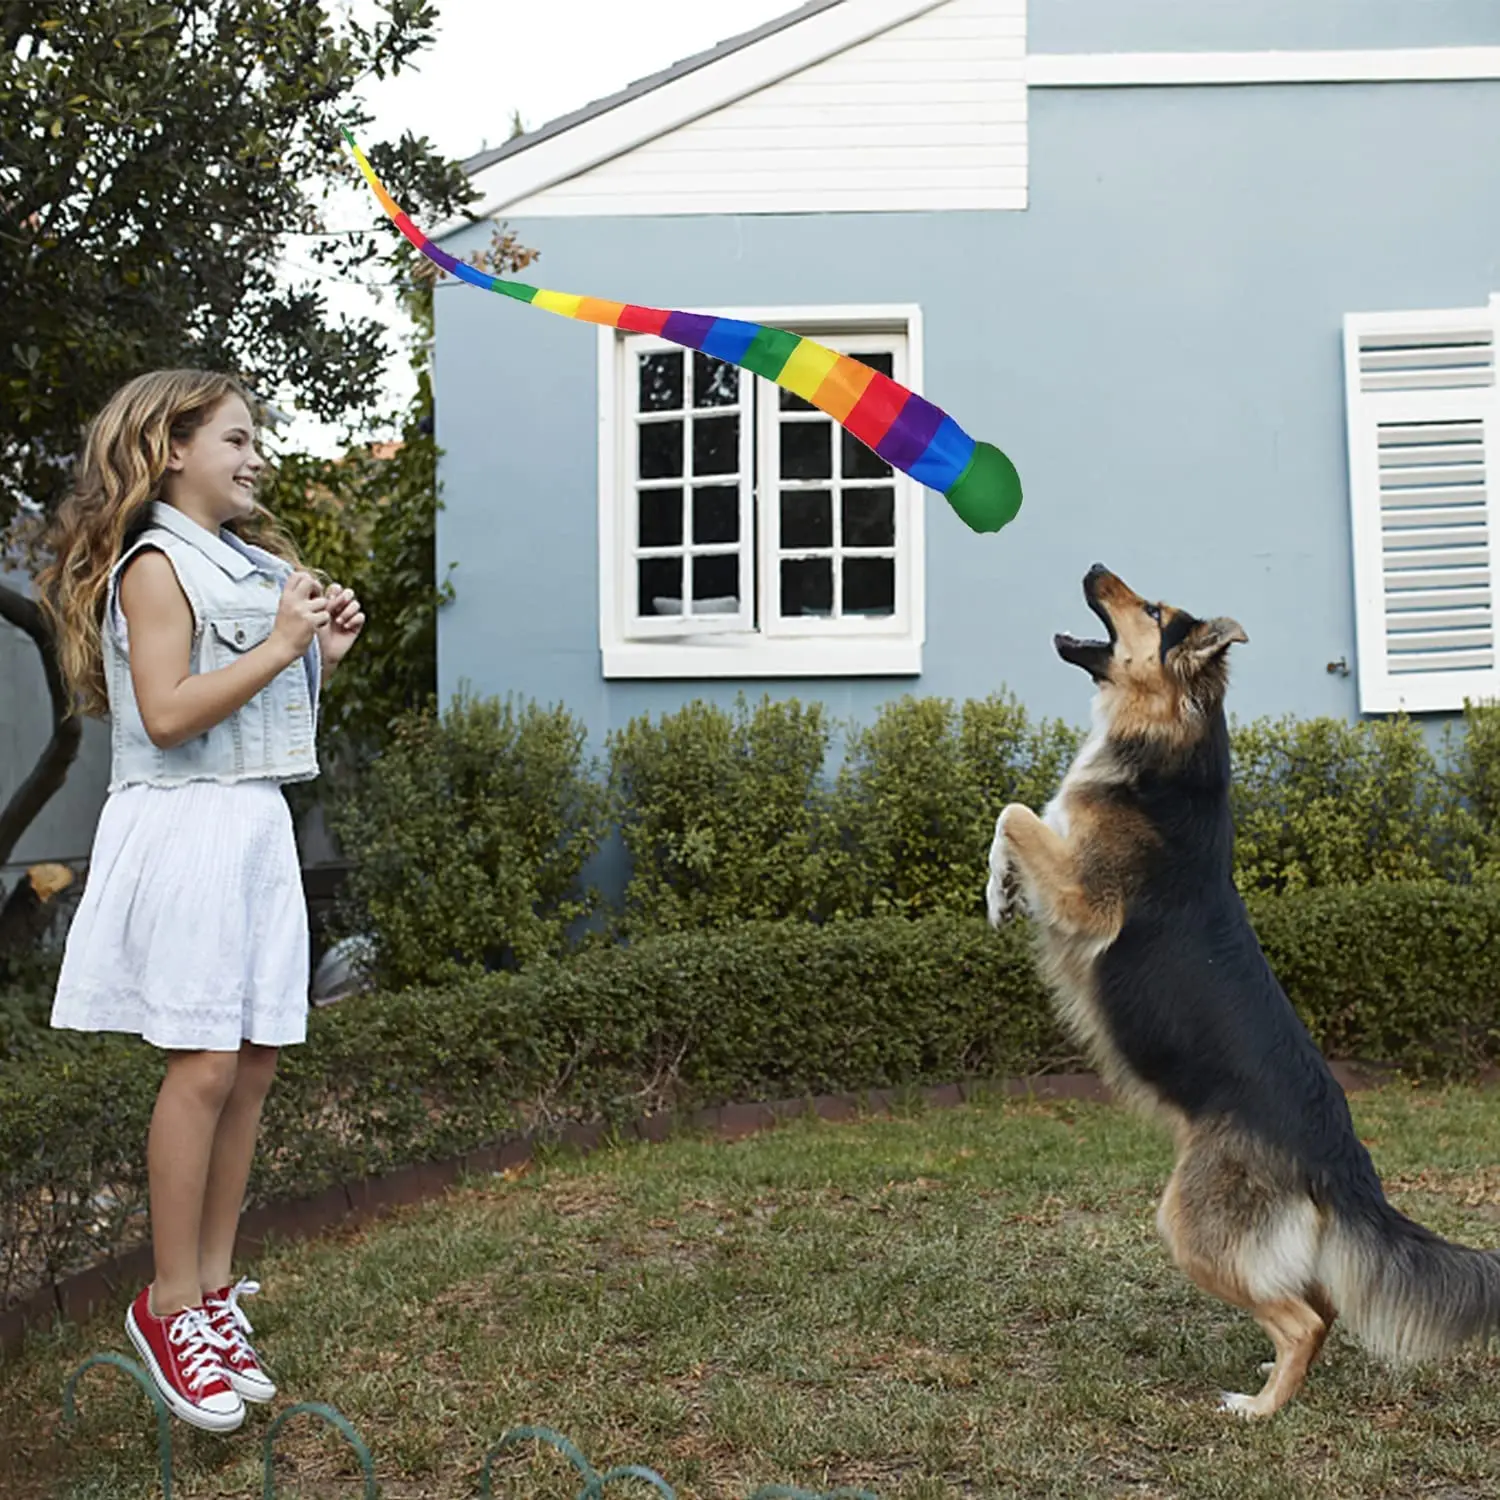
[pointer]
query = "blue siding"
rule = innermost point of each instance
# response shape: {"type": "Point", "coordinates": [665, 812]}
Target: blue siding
{"type": "Point", "coordinates": [1257, 25]}
{"type": "Point", "coordinates": [1156, 342]}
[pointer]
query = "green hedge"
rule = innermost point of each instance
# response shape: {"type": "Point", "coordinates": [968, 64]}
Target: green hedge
{"type": "Point", "coordinates": [723, 814]}
{"type": "Point", "coordinates": [1321, 802]}
{"type": "Point", "coordinates": [732, 815]}
{"type": "Point", "coordinates": [1392, 973]}
{"type": "Point", "coordinates": [470, 838]}
{"type": "Point", "coordinates": [915, 801]}
{"type": "Point", "coordinates": [469, 835]}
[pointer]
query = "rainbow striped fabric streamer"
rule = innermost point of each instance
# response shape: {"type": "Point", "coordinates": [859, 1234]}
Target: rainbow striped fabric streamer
{"type": "Point", "coordinates": [908, 432]}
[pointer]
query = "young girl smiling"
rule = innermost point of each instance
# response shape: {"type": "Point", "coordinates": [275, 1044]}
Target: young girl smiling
{"type": "Point", "coordinates": [180, 608]}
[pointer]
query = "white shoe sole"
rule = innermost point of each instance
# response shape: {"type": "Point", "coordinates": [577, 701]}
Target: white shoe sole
{"type": "Point", "coordinates": [194, 1416]}
{"type": "Point", "coordinates": [251, 1390]}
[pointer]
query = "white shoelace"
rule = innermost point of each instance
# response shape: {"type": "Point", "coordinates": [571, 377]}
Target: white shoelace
{"type": "Point", "coordinates": [228, 1312]}
{"type": "Point", "coordinates": [201, 1347]}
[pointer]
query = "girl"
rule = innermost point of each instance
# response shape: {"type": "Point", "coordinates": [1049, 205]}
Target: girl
{"type": "Point", "coordinates": [207, 650]}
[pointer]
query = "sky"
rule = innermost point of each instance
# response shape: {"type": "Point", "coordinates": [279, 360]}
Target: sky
{"type": "Point", "coordinates": [491, 58]}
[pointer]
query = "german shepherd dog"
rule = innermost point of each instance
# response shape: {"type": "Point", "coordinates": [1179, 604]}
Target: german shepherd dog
{"type": "Point", "coordinates": [1273, 1205]}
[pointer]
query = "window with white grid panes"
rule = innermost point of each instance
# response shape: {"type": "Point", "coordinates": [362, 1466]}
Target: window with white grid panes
{"type": "Point", "coordinates": [749, 510]}
{"type": "Point", "coordinates": [744, 533]}
{"type": "Point", "coordinates": [691, 496]}
{"type": "Point", "coordinates": [834, 515]}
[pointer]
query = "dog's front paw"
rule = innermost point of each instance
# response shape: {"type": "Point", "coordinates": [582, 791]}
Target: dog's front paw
{"type": "Point", "coordinates": [999, 900]}
{"type": "Point", "coordinates": [1000, 891]}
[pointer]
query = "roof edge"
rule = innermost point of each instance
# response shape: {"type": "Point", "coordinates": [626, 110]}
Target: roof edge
{"type": "Point", "coordinates": [652, 81]}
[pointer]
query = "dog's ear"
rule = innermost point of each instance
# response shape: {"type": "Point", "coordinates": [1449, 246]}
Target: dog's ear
{"type": "Point", "coordinates": [1215, 636]}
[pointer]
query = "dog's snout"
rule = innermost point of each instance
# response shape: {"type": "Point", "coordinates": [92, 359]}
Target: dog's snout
{"type": "Point", "coordinates": [1097, 582]}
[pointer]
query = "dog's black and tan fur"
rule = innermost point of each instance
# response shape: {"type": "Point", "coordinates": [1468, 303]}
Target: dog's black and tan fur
{"type": "Point", "coordinates": [1274, 1204]}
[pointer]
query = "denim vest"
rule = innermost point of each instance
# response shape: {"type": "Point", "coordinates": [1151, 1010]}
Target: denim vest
{"type": "Point", "coordinates": [234, 590]}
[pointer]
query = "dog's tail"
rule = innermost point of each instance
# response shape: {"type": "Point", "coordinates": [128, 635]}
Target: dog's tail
{"type": "Point", "coordinates": [1407, 1293]}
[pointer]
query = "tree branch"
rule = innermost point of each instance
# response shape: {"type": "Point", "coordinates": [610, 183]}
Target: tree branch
{"type": "Point", "coordinates": [51, 770]}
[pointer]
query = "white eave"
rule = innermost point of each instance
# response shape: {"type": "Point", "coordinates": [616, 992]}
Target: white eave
{"type": "Point", "coordinates": [685, 92]}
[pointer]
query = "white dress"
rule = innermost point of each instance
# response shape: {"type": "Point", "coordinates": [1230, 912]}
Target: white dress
{"type": "Point", "coordinates": [192, 928]}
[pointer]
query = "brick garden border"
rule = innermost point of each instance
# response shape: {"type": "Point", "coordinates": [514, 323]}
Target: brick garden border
{"type": "Point", "coordinates": [347, 1205]}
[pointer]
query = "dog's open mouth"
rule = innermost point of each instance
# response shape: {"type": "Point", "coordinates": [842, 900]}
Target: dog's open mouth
{"type": "Point", "coordinates": [1092, 656]}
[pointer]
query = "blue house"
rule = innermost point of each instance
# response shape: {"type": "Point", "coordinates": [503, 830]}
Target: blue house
{"type": "Point", "coordinates": [1219, 277]}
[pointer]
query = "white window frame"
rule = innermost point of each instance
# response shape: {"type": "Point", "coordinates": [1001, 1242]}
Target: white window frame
{"type": "Point", "coordinates": [1381, 690]}
{"type": "Point", "coordinates": [815, 648]}
{"type": "Point", "coordinates": [667, 627]}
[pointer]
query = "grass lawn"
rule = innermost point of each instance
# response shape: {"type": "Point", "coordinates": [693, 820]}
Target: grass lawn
{"type": "Point", "coordinates": [968, 1302]}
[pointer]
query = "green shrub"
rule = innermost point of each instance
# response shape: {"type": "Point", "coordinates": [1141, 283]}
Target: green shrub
{"type": "Point", "coordinates": [724, 815]}
{"type": "Point", "coordinates": [919, 792]}
{"type": "Point", "coordinates": [468, 837]}
{"type": "Point", "coordinates": [1471, 753]}
{"type": "Point", "coordinates": [730, 817]}
{"type": "Point", "coordinates": [72, 1157]}
{"type": "Point", "coordinates": [27, 984]}
{"type": "Point", "coordinates": [1394, 973]}
{"type": "Point", "coordinates": [1321, 802]}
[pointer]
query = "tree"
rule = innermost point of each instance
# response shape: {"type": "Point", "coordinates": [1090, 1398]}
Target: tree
{"type": "Point", "coordinates": [369, 520]}
{"type": "Point", "coordinates": [158, 156]}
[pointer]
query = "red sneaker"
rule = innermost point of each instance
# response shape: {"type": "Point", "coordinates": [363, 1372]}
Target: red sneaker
{"type": "Point", "coordinates": [242, 1364]}
{"type": "Point", "coordinates": [185, 1358]}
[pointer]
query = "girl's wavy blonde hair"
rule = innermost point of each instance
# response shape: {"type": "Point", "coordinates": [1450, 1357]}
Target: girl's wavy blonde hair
{"type": "Point", "coordinates": [117, 475]}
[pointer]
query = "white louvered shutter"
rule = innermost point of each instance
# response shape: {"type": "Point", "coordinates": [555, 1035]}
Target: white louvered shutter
{"type": "Point", "coordinates": [1423, 432]}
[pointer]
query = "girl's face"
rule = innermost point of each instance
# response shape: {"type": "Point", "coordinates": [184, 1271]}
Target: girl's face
{"type": "Point", "coordinates": [212, 477]}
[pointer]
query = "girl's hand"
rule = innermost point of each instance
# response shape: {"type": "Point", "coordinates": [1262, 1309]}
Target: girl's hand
{"type": "Point", "coordinates": [345, 621]}
{"type": "Point", "coordinates": [302, 613]}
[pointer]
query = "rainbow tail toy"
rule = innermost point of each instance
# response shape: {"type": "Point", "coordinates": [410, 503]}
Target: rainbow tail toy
{"type": "Point", "coordinates": [909, 433]}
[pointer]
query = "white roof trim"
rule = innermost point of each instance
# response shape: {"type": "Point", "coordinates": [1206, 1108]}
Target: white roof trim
{"type": "Point", "coordinates": [1062, 70]}
{"type": "Point", "coordinates": [678, 101]}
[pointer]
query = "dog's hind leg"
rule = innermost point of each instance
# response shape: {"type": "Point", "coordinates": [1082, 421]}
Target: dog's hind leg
{"type": "Point", "coordinates": [1233, 1233]}
{"type": "Point", "coordinates": [1297, 1330]}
